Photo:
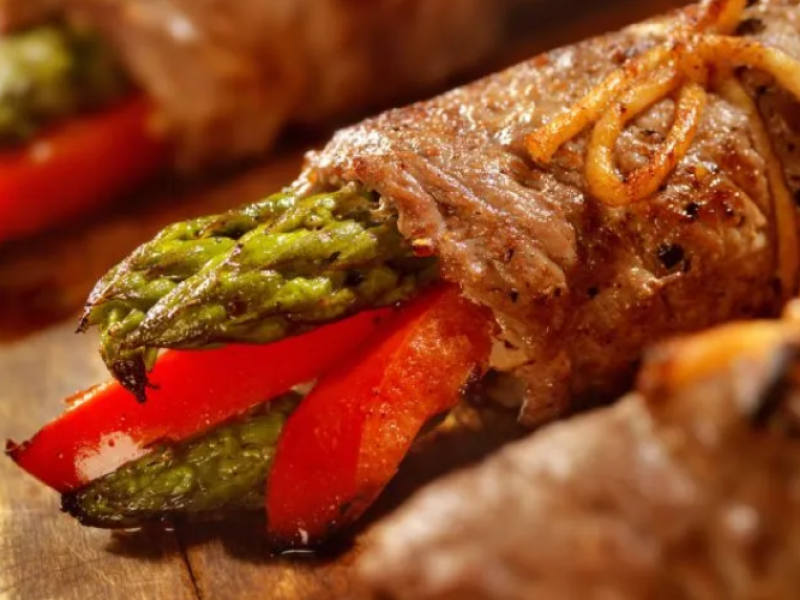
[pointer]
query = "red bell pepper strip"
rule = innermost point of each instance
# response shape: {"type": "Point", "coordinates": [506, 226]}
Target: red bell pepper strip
{"type": "Point", "coordinates": [105, 427]}
{"type": "Point", "coordinates": [77, 166]}
{"type": "Point", "coordinates": [346, 440]}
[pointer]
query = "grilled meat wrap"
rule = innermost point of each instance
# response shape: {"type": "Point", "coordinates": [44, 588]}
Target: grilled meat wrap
{"type": "Point", "coordinates": [686, 489]}
{"type": "Point", "coordinates": [661, 202]}
{"type": "Point", "coordinates": [580, 286]}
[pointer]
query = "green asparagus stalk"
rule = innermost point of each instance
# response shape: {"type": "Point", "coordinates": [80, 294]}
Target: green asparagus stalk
{"type": "Point", "coordinates": [254, 275]}
{"type": "Point", "coordinates": [220, 472]}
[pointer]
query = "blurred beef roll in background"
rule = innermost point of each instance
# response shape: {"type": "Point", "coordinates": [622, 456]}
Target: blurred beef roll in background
{"type": "Point", "coordinates": [228, 76]}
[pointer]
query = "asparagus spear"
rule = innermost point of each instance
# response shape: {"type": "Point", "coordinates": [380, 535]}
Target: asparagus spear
{"type": "Point", "coordinates": [224, 470]}
{"type": "Point", "coordinates": [255, 275]}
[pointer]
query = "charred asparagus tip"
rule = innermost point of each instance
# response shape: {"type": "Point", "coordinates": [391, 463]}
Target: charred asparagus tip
{"type": "Point", "coordinates": [255, 275]}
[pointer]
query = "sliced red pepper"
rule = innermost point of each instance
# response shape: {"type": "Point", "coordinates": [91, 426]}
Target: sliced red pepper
{"type": "Point", "coordinates": [105, 426]}
{"type": "Point", "coordinates": [76, 167]}
{"type": "Point", "coordinates": [346, 440]}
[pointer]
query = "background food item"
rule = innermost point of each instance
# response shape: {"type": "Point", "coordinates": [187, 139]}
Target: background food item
{"type": "Point", "coordinates": [76, 167]}
{"type": "Point", "coordinates": [685, 489]}
{"type": "Point", "coordinates": [229, 76]}
{"type": "Point", "coordinates": [52, 72]}
{"type": "Point", "coordinates": [224, 79]}
{"type": "Point", "coordinates": [66, 108]}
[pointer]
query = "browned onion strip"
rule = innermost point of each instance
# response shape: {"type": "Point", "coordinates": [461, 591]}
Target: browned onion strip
{"type": "Point", "coordinates": [693, 58]}
{"type": "Point", "coordinates": [690, 57]}
{"type": "Point", "coordinates": [602, 177]}
{"type": "Point", "coordinates": [784, 212]}
{"type": "Point", "coordinates": [647, 79]}
{"type": "Point", "coordinates": [715, 15]}
{"type": "Point", "coordinates": [739, 52]}
{"type": "Point", "coordinates": [543, 143]}
{"type": "Point", "coordinates": [720, 16]}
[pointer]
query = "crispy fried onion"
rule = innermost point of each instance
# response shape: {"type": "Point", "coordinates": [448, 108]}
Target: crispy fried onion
{"type": "Point", "coordinates": [680, 68]}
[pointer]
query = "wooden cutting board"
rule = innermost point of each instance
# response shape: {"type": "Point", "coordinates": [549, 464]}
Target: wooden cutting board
{"type": "Point", "coordinates": [44, 555]}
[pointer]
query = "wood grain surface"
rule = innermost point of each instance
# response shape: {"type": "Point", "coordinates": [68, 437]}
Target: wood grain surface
{"type": "Point", "coordinates": [44, 555]}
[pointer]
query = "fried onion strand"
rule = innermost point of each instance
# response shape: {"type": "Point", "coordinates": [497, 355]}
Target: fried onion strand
{"type": "Point", "coordinates": [680, 67]}
{"type": "Point", "coordinates": [720, 16]}
{"type": "Point", "coordinates": [601, 175]}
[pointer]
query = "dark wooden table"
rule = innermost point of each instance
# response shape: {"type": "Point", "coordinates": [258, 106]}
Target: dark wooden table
{"type": "Point", "coordinates": [44, 555]}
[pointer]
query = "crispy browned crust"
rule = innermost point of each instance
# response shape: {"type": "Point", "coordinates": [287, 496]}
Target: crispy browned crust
{"type": "Point", "coordinates": [579, 286]}
{"type": "Point", "coordinates": [685, 490]}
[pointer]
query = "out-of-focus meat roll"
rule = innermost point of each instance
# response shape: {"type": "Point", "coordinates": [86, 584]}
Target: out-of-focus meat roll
{"type": "Point", "coordinates": [688, 489]}
{"type": "Point", "coordinates": [229, 75]}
